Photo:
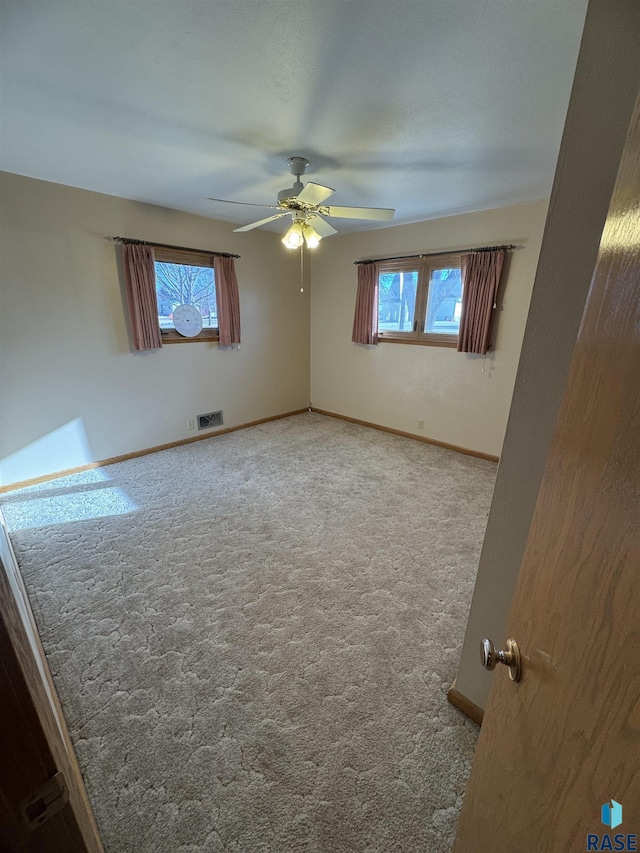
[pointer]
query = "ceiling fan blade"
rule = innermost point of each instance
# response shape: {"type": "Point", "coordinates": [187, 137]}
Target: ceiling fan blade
{"type": "Point", "coordinates": [314, 193]}
{"type": "Point", "coordinates": [247, 203]}
{"type": "Point", "coordinates": [261, 222]}
{"type": "Point", "coordinates": [321, 226]}
{"type": "Point", "coordinates": [380, 213]}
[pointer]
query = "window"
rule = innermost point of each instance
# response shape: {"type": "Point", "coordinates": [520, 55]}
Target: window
{"type": "Point", "coordinates": [185, 277]}
{"type": "Point", "coordinates": [420, 300]}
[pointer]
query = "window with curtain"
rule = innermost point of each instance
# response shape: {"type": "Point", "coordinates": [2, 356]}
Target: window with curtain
{"type": "Point", "coordinates": [159, 280]}
{"type": "Point", "coordinates": [186, 277]}
{"type": "Point", "coordinates": [420, 300]}
{"type": "Point", "coordinates": [438, 300]}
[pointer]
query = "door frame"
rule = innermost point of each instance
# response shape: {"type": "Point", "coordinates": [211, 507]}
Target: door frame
{"type": "Point", "coordinates": [33, 730]}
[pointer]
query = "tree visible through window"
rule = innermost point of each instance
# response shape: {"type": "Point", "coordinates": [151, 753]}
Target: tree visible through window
{"type": "Point", "coordinates": [181, 284]}
{"type": "Point", "coordinates": [397, 300]}
{"type": "Point", "coordinates": [420, 299]}
{"type": "Point", "coordinates": [185, 277]}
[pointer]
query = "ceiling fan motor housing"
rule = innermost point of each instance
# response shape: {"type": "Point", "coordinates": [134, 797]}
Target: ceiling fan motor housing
{"type": "Point", "coordinates": [290, 195]}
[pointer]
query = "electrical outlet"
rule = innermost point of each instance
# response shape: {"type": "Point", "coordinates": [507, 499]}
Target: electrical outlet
{"type": "Point", "coordinates": [420, 424]}
{"type": "Point", "coordinates": [191, 424]}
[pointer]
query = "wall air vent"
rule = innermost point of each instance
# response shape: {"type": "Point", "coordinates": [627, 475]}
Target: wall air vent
{"type": "Point", "coordinates": [212, 419]}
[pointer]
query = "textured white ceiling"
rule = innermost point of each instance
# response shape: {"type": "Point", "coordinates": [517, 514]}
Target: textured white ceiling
{"type": "Point", "coordinates": [429, 106]}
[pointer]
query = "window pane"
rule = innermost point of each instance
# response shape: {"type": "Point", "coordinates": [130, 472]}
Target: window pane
{"type": "Point", "coordinates": [444, 302]}
{"type": "Point", "coordinates": [397, 300]}
{"type": "Point", "coordinates": [181, 284]}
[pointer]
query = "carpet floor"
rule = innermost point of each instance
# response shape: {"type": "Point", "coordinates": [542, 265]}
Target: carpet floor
{"type": "Point", "coordinates": [252, 637]}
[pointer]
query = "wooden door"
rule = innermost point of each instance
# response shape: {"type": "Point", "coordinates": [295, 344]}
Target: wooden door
{"type": "Point", "coordinates": [566, 740]}
{"type": "Point", "coordinates": [35, 748]}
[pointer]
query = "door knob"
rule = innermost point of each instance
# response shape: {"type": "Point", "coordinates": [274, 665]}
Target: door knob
{"type": "Point", "coordinates": [490, 656]}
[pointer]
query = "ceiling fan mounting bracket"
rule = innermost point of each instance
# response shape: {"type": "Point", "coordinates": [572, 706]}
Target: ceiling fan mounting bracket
{"type": "Point", "coordinates": [298, 166]}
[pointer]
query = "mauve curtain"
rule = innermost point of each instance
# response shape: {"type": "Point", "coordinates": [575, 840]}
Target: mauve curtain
{"type": "Point", "coordinates": [480, 280]}
{"type": "Point", "coordinates": [228, 300]}
{"type": "Point", "coordinates": [365, 321]}
{"type": "Point", "coordinates": [140, 282]}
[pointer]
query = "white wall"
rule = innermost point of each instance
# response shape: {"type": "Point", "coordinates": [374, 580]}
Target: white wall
{"type": "Point", "coordinates": [72, 391]}
{"type": "Point", "coordinates": [463, 399]}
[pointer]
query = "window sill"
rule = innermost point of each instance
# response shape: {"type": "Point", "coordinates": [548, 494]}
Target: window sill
{"type": "Point", "coordinates": [422, 342]}
{"type": "Point", "coordinates": [176, 338]}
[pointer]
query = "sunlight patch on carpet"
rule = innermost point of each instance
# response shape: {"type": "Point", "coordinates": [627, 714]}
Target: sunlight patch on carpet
{"type": "Point", "coordinates": [66, 506]}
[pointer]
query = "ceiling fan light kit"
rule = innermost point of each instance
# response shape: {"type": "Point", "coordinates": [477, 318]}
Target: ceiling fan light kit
{"type": "Point", "coordinates": [304, 203]}
{"type": "Point", "coordinates": [294, 236]}
{"type": "Point", "coordinates": [312, 238]}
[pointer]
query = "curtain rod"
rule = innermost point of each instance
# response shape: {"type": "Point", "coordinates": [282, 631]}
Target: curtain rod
{"type": "Point", "coordinates": [168, 246]}
{"type": "Point", "coordinates": [436, 254]}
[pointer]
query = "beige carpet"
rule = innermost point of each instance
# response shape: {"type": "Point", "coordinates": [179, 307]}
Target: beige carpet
{"type": "Point", "coordinates": [253, 637]}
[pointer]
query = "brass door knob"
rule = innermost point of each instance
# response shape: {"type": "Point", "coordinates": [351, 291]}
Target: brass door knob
{"type": "Point", "coordinates": [510, 657]}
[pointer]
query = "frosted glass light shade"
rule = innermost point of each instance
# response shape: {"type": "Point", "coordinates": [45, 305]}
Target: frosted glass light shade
{"type": "Point", "coordinates": [293, 238]}
{"type": "Point", "coordinates": [312, 237]}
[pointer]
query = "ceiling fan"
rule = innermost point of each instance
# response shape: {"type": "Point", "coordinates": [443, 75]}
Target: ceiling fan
{"type": "Point", "coordinates": [304, 204]}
